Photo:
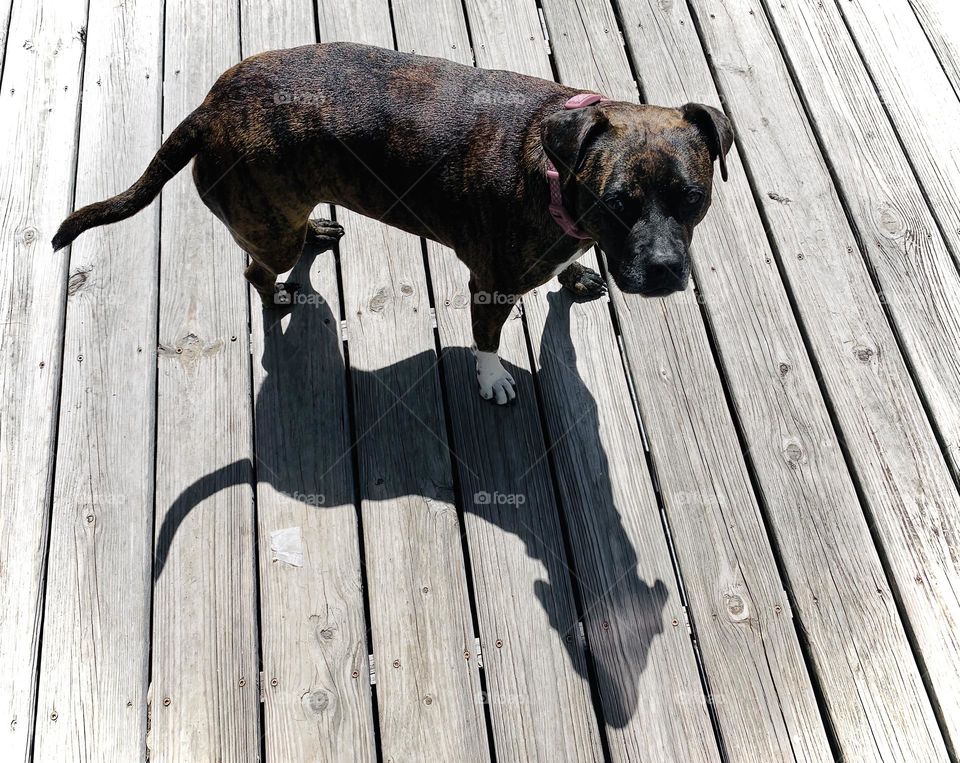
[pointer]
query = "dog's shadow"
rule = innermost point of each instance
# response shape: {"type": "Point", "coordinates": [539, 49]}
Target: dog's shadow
{"type": "Point", "coordinates": [304, 351]}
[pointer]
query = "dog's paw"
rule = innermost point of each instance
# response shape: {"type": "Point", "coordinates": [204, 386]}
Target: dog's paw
{"type": "Point", "coordinates": [582, 282]}
{"type": "Point", "coordinates": [495, 383]}
{"type": "Point", "coordinates": [323, 234]}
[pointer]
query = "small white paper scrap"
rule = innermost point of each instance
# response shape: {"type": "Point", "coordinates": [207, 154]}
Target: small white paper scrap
{"type": "Point", "coordinates": [287, 546]}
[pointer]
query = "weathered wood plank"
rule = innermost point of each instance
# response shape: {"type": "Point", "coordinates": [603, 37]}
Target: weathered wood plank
{"type": "Point", "coordinates": [419, 606]}
{"type": "Point", "coordinates": [6, 10]}
{"type": "Point", "coordinates": [907, 256]}
{"type": "Point", "coordinates": [940, 20]}
{"type": "Point", "coordinates": [96, 636]}
{"type": "Point", "coordinates": [914, 504]}
{"type": "Point", "coordinates": [651, 694]}
{"type": "Point", "coordinates": [528, 621]}
{"type": "Point", "coordinates": [924, 110]}
{"type": "Point", "coordinates": [738, 607]}
{"type": "Point", "coordinates": [38, 123]}
{"type": "Point", "coordinates": [317, 702]}
{"type": "Point", "coordinates": [204, 696]}
{"type": "Point", "coordinates": [917, 95]}
{"type": "Point", "coordinates": [759, 687]}
{"type": "Point", "coordinates": [875, 404]}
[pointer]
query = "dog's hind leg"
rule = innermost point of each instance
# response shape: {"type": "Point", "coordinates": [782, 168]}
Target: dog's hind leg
{"type": "Point", "coordinates": [275, 250]}
{"type": "Point", "coordinates": [265, 282]}
{"type": "Point", "coordinates": [281, 253]}
{"type": "Point", "coordinates": [267, 220]}
{"type": "Point", "coordinates": [270, 256]}
{"type": "Point", "coordinates": [262, 274]}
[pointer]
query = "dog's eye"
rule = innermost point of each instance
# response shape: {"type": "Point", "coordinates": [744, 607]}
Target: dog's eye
{"type": "Point", "coordinates": [693, 197]}
{"type": "Point", "coordinates": [616, 205]}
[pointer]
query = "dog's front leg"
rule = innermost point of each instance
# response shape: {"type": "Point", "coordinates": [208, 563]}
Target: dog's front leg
{"type": "Point", "coordinates": [488, 311]}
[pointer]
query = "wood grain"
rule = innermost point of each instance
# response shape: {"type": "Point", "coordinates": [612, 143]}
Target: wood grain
{"type": "Point", "coordinates": [652, 698]}
{"type": "Point", "coordinates": [738, 606]}
{"type": "Point", "coordinates": [920, 101]}
{"type": "Point", "coordinates": [940, 20]}
{"type": "Point", "coordinates": [576, 463]}
{"type": "Point", "coordinates": [651, 695]}
{"type": "Point", "coordinates": [316, 688]}
{"type": "Point", "coordinates": [914, 503]}
{"type": "Point", "coordinates": [39, 97]}
{"type": "Point", "coordinates": [6, 10]}
{"type": "Point", "coordinates": [204, 697]}
{"type": "Point", "coordinates": [528, 622]}
{"type": "Point", "coordinates": [427, 690]}
{"type": "Point", "coordinates": [95, 660]}
{"type": "Point", "coordinates": [877, 409]}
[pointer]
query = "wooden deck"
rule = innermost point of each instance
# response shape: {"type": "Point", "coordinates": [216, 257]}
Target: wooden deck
{"type": "Point", "coordinates": [720, 526]}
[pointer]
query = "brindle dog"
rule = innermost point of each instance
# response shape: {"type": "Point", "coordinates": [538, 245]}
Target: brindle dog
{"type": "Point", "coordinates": [449, 152]}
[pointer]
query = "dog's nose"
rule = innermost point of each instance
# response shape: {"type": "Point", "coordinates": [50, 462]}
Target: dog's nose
{"type": "Point", "coordinates": [665, 278]}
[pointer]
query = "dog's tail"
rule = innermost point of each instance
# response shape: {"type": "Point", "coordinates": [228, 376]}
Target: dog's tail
{"type": "Point", "coordinates": [176, 151]}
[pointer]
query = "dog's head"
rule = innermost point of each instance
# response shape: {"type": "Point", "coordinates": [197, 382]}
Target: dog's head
{"type": "Point", "coordinates": [638, 179]}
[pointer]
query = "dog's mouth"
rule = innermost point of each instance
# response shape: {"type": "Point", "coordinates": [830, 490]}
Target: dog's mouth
{"type": "Point", "coordinates": [651, 280]}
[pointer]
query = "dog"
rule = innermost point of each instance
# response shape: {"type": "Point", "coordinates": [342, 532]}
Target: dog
{"type": "Point", "coordinates": [518, 175]}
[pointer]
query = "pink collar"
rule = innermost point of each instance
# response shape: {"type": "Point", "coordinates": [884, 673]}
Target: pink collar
{"type": "Point", "coordinates": [557, 211]}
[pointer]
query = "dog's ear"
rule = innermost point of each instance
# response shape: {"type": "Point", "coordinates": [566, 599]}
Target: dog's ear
{"type": "Point", "coordinates": [567, 134]}
{"type": "Point", "coordinates": [715, 128]}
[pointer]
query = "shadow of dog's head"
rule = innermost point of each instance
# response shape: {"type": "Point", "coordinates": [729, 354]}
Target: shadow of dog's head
{"type": "Point", "coordinates": [638, 179]}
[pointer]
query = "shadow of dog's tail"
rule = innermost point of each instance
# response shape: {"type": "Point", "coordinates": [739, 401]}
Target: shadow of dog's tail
{"type": "Point", "coordinates": [240, 472]}
{"type": "Point", "coordinates": [176, 151]}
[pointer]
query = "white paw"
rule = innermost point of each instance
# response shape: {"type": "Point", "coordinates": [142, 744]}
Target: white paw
{"type": "Point", "coordinates": [495, 383]}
